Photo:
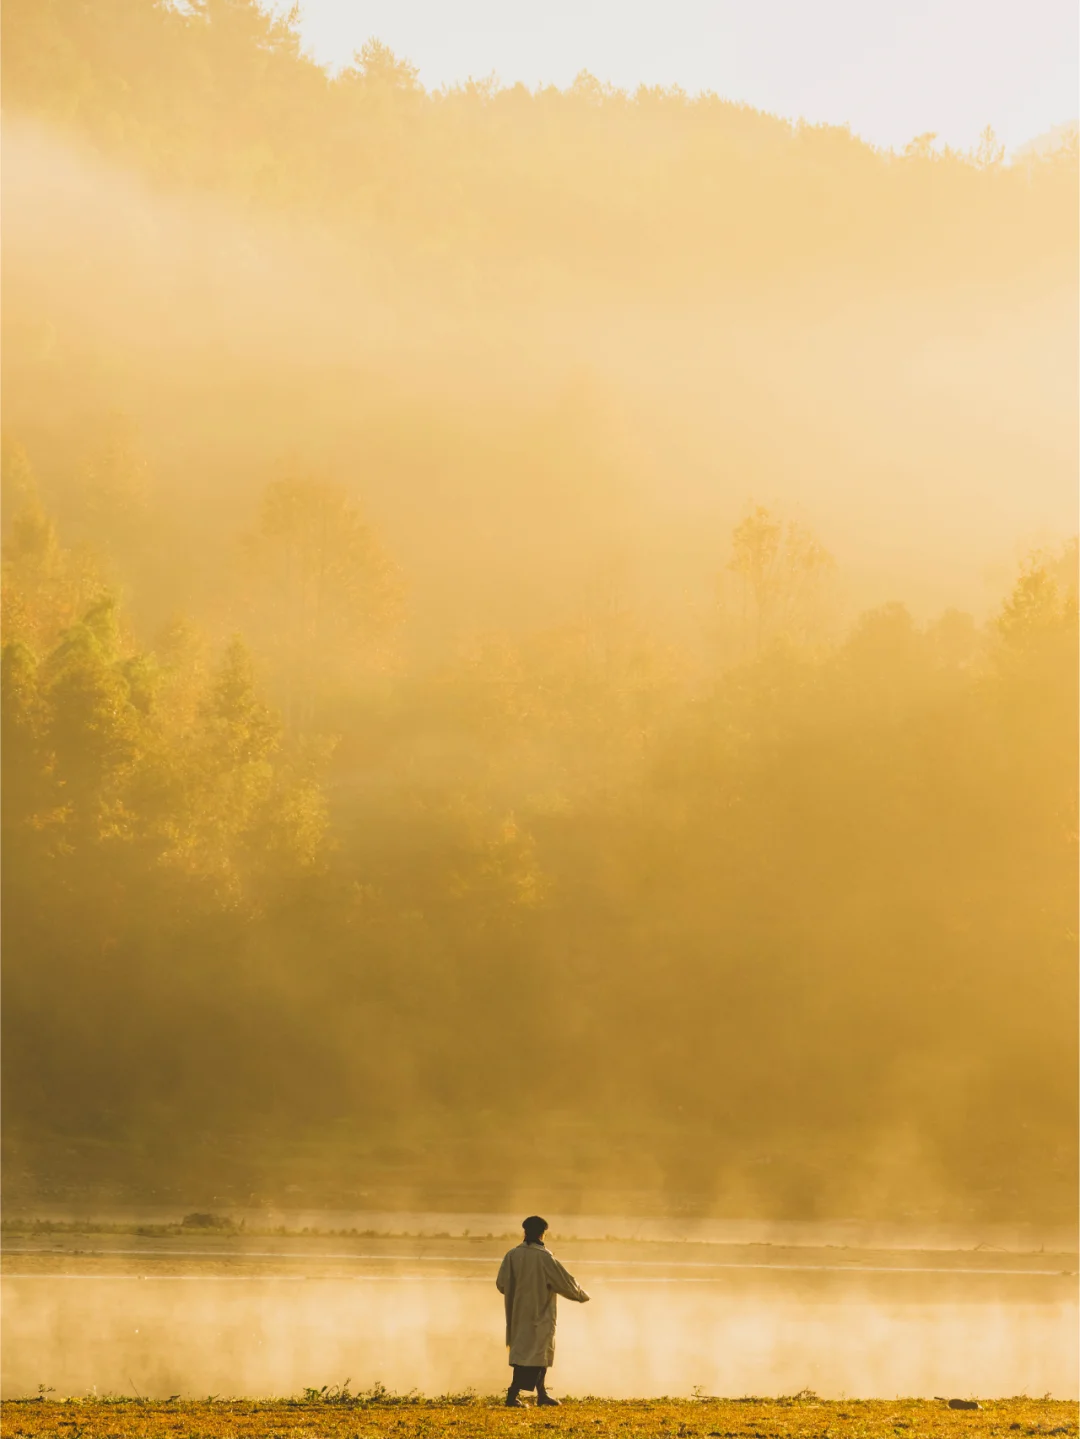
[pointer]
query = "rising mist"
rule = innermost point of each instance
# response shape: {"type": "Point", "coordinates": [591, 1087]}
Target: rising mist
{"type": "Point", "coordinates": [541, 639]}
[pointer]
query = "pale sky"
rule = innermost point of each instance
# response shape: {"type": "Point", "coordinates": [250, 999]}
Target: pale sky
{"type": "Point", "coordinates": [889, 68]}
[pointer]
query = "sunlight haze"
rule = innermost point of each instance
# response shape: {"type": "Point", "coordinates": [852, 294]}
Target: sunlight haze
{"type": "Point", "coordinates": [539, 678]}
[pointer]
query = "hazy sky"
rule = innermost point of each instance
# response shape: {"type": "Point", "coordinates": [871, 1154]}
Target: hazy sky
{"type": "Point", "coordinates": [890, 68]}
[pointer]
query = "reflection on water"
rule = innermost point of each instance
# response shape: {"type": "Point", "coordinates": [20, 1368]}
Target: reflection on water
{"type": "Point", "coordinates": [198, 1335]}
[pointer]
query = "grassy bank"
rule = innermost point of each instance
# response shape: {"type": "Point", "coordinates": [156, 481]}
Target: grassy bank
{"type": "Point", "coordinates": [355, 1417]}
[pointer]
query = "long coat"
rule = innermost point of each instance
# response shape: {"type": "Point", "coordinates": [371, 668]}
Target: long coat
{"type": "Point", "coordinates": [529, 1279]}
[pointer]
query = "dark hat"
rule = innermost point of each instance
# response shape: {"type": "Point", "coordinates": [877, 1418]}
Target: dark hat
{"type": "Point", "coordinates": [534, 1228]}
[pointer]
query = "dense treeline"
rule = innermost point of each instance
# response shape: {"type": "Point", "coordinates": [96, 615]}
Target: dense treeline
{"type": "Point", "coordinates": [429, 772]}
{"type": "Point", "coordinates": [525, 192]}
{"type": "Point", "coordinates": [767, 935]}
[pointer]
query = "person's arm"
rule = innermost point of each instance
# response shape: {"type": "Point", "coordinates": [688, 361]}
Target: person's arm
{"type": "Point", "coordinates": [564, 1283]}
{"type": "Point", "coordinates": [504, 1283]}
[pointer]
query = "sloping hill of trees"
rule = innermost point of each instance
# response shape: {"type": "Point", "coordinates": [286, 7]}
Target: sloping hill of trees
{"type": "Point", "coordinates": [497, 185]}
{"type": "Point", "coordinates": [377, 824]}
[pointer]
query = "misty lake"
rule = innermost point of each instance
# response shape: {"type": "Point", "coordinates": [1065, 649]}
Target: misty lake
{"type": "Point", "coordinates": [269, 1315]}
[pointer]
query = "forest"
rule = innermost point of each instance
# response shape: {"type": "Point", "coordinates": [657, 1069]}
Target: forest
{"type": "Point", "coordinates": [540, 641]}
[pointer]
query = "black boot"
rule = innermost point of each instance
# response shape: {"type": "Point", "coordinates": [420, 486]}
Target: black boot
{"type": "Point", "coordinates": [512, 1400]}
{"type": "Point", "coordinates": [543, 1397]}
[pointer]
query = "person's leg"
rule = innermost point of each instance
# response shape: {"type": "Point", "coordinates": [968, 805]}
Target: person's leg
{"type": "Point", "coordinates": [526, 1376]}
{"type": "Point", "coordinates": [512, 1400]}
{"type": "Point", "coordinates": [542, 1396]}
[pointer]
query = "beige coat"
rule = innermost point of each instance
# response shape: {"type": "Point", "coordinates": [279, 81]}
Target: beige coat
{"type": "Point", "coordinates": [529, 1279]}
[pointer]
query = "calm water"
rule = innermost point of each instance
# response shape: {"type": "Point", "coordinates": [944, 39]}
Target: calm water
{"type": "Point", "coordinates": [262, 1317]}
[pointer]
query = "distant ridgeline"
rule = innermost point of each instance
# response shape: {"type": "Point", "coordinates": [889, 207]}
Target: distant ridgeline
{"type": "Point", "coordinates": [431, 775]}
{"type": "Point", "coordinates": [505, 188]}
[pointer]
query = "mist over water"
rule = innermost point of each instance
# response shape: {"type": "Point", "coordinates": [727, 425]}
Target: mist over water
{"type": "Point", "coordinates": [276, 1336]}
{"type": "Point", "coordinates": [415, 1308]}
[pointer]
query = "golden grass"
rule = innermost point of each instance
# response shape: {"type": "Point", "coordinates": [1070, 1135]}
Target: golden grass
{"type": "Point", "coordinates": [467, 1417]}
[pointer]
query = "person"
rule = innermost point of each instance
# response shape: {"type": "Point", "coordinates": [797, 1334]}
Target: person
{"type": "Point", "coordinates": [529, 1279]}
